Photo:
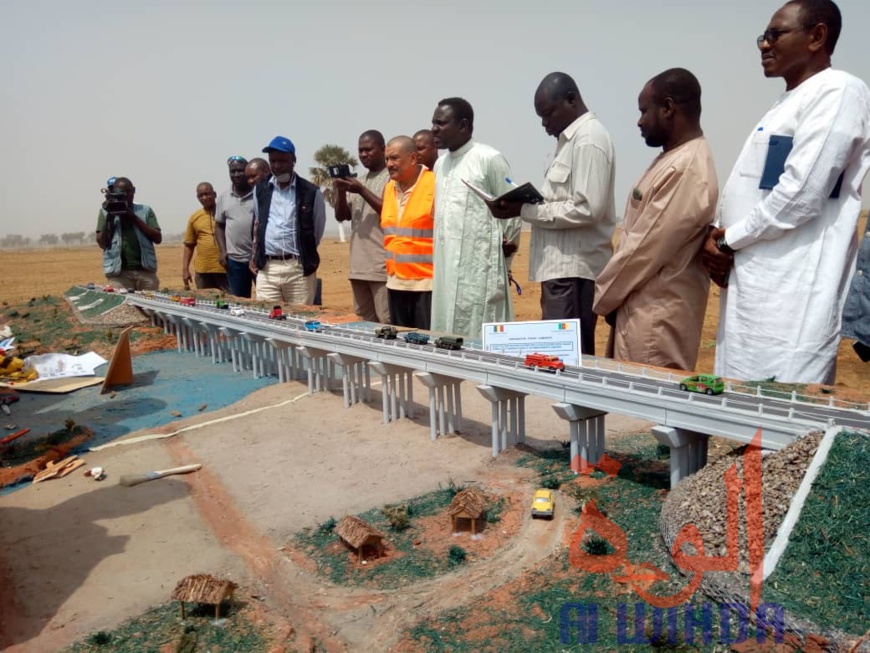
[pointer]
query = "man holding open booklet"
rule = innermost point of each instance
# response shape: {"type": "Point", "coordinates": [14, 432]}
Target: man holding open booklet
{"type": "Point", "coordinates": [573, 225]}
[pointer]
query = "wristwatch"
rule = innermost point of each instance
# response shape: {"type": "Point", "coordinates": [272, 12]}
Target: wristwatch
{"type": "Point", "coordinates": [722, 246]}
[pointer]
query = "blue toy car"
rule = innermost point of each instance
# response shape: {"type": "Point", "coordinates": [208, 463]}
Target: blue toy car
{"type": "Point", "coordinates": [313, 325]}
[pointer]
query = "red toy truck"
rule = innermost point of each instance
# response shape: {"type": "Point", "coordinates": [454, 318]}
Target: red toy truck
{"type": "Point", "coordinates": [544, 362]}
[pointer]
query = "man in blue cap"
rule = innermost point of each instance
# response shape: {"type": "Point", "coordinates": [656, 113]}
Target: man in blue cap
{"type": "Point", "coordinates": [289, 218]}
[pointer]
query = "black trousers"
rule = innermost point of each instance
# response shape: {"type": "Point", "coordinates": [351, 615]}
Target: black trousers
{"type": "Point", "coordinates": [568, 299]}
{"type": "Point", "coordinates": [409, 308]}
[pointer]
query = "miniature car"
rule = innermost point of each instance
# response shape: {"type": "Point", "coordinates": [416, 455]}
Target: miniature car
{"type": "Point", "coordinates": [221, 304]}
{"type": "Point", "coordinates": [187, 301]}
{"type": "Point", "coordinates": [175, 298]}
{"type": "Point", "coordinates": [386, 332]}
{"type": "Point", "coordinates": [415, 338]}
{"type": "Point", "coordinates": [449, 342]}
{"type": "Point", "coordinates": [544, 362]}
{"type": "Point", "coordinates": [237, 312]}
{"type": "Point", "coordinates": [313, 325]}
{"type": "Point", "coordinates": [92, 286]}
{"type": "Point", "coordinates": [108, 289]}
{"type": "Point", "coordinates": [277, 313]}
{"type": "Point", "coordinates": [543, 503]}
{"type": "Point", "coordinates": [705, 383]}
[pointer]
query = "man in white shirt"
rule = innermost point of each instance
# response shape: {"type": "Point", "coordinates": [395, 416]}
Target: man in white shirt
{"type": "Point", "coordinates": [788, 213]}
{"type": "Point", "coordinates": [471, 268]}
{"type": "Point", "coordinates": [572, 229]}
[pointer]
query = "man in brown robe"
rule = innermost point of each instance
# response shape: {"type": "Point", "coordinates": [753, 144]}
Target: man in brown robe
{"type": "Point", "coordinates": [653, 291]}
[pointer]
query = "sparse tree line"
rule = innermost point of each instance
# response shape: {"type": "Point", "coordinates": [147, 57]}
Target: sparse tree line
{"type": "Point", "coordinates": [70, 239]}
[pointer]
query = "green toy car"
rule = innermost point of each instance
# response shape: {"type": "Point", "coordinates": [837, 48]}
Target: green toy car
{"type": "Point", "coordinates": [703, 383]}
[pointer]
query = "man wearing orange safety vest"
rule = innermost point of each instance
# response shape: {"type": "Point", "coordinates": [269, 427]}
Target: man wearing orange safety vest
{"type": "Point", "coordinates": [406, 219]}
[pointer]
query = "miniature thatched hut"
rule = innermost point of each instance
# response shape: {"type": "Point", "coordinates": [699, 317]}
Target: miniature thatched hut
{"type": "Point", "coordinates": [202, 588]}
{"type": "Point", "coordinates": [467, 504]}
{"type": "Point", "coordinates": [358, 535]}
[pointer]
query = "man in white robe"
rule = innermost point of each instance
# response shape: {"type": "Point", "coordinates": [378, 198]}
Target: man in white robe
{"type": "Point", "coordinates": [790, 228]}
{"type": "Point", "coordinates": [472, 250]}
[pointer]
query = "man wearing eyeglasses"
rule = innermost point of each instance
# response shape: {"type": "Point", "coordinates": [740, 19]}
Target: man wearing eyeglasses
{"type": "Point", "coordinates": [234, 228]}
{"type": "Point", "coordinates": [786, 242]}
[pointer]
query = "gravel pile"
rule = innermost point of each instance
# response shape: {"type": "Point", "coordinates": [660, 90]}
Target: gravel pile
{"type": "Point", "coordinates": [120, 316]}
{"type": "Point", "coordinates": [701, 498]}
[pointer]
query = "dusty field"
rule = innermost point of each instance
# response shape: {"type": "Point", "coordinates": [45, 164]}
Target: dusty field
{"type": "Point", "coordinates": [62, 268]}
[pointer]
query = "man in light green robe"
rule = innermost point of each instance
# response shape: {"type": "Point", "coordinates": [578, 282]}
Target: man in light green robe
{"type": "Point", "coordinates": [471, 266]}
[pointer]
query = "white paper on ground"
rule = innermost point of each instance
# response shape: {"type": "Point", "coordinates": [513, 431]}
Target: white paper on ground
{"type": "Point", "coordinates": [56, 366]}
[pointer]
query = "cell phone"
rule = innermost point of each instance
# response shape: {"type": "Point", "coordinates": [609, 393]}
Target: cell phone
{"type": "Point", "coordinates": [340, 171]}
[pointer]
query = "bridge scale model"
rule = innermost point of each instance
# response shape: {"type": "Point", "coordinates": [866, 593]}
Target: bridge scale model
{"type": "Point", "coordinates": [581, 395]}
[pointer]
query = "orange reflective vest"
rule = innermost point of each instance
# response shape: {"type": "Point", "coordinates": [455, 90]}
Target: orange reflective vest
{"type": "Point", "coordinates": [408, 240]}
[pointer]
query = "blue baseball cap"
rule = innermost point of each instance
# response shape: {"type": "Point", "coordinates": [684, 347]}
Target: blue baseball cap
{"type": "Point", "coordinates": [281, 144]}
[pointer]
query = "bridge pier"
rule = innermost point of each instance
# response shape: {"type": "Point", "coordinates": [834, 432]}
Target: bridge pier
{"type": "Point", "coordinates": [508, 416]}
{"type": "Point", "coordinates": [587, 435]}
{"type": "Point", "coordinates": [212, 332]}
{"type": "Point", "coordinates": [320, 368]}
{"type": "Point", "coordinates": [445, 403]}
{"type": "Point", "coordinates": [688, 450]}
{"type": "Point", "coordinates": [286, 359]}
{"type": "Point", "coordinates": [356, 380]}
{"type": "Point", "coordinates": [232, 343]}
{"type": "Point", "coordinates": [397, 390]}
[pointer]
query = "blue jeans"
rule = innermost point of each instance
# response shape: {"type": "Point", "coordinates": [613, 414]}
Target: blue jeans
{"type": "Point", "coordinates": [240, 278]}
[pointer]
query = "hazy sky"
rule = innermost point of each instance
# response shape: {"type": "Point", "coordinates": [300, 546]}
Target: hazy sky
{"type": "Point", "coordinates": [164, 91]}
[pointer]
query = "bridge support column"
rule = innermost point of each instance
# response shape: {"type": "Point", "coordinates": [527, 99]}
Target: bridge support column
{"type": "Point", "coordinates": [211, 332]}
{"type": "Point", "coordinates": [232, 343]}
{"type": "Point", "coordinates": [320, 368]}
{"type": "Point", "coordinates": [397, 390]}
{"type": "Point", "coordinates": [508, 416]}
{"type": "Point", "coordinates": [194, 336]}
{"type": "Point", "coordinates": [688, 450]}
{"type": "Point", "coordinates": [262, 361]}
{"type": "Point", "coordinates": [356, 380]}
{"type": "Point", "coordinates": [445, 403]}
{"type": "Point", "coordinates": [587, 435]}
{"type": "Point", "coordinates": [285, 359]}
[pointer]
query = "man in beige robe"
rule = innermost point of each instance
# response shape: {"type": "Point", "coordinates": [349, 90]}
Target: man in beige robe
{"type": "Point", "coordinates": [653, 291]}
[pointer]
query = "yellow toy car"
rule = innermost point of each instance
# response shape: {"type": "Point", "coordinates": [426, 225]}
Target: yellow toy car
{"type": "Point", "coordinates": [543, 504]}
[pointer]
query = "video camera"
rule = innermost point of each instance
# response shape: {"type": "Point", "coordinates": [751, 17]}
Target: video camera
{"type": "Point", "coordinates": [115, 202]}
{"type": "Point", "coordinates": [340, 171]}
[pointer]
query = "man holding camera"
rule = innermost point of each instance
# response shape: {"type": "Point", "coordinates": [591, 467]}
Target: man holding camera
{"type": "Point", "coordinates": [127, 233]}
{"type": "Point", "coordinates": [368, 269]}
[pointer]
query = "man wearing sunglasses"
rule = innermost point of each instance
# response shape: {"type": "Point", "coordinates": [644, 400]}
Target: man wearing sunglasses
{"type": "Point", "coordinates": [234, 227]}
{"type": "Point", "coordinates": [786, 242]}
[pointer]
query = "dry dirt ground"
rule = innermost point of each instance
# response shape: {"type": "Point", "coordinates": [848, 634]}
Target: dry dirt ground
{"type": "Point", "coordinates": [76, 556]}
{"type": "Point", "coordinates": [79, 556]}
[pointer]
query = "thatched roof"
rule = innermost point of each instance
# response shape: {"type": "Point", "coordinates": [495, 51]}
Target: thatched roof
{"type": "Point", "coordinates": [356, 532]}
{"type": "Point", "coordinates": [469, 501]}
{"type": "Point", "coordinates": [202, 588]}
